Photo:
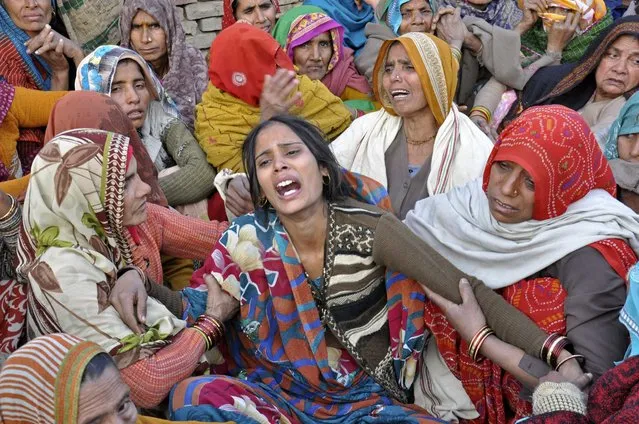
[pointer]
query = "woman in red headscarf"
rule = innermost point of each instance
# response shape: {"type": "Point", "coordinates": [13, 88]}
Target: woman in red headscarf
{"type": "Point", "coordinates": [545, 230]}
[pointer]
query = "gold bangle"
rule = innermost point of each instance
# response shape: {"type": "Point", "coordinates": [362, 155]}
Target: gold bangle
{"type": "Point", "coordinates": [480, 342]}
{"type": "Point", "coordinates": [207, 340]}
{"type": "Point", "coordinates": [563, 361]}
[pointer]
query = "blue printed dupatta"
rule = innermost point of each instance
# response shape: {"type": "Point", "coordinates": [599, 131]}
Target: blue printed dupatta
{"type": "Point", "coordinates": [278, 343]}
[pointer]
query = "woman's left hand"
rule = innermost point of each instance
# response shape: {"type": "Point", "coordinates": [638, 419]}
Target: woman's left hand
{"type": "Point", "coordinates": [468, 317]}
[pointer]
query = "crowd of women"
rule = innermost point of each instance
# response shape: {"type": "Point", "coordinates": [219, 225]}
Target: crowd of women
{"type": "Point", "coordinates": [358, 211]}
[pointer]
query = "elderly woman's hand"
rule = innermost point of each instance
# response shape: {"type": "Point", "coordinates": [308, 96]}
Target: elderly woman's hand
{"type": "Point", "coordinates": [560, 34]}
{"type": "Point", "coordinates": [219, 304]}
{"type": "Point", "coordinates": [54, 48]}
{"type": "Point", "coordinates": [5, 203]}
{"type": "Point", "coordinates": [468, 317]}
{"type": "Point", "coordinates": [277, 94]}
{"type": "Point", "coordinates": [582, 381]}
{"type": "Point", "coordinates": [484, 126]}
{"type": "Point", "coordinates": [128, 297]}
{"type": "Point", "coordinates": [532, 9]}
{"type": "Point", "coordinates": [450, 27]}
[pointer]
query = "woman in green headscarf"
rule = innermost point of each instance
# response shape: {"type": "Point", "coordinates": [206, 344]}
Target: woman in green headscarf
{"type": "Point", "coordinates": [622, 152]}
{"type": "Point", "coordinates": [315, 44]}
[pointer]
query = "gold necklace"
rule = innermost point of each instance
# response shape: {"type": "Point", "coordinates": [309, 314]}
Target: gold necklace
{"type": "Point", "coordinates": [420, 142]}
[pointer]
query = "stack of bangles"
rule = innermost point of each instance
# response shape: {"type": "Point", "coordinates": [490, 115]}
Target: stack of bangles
{"type": "Point", "coordinates": [552, 348]}
{"type": "Point", "coordinates": [481, 111]}
{"type": "Point", "coordinates": [477, 341]}
{"type": "Point", "coordinates": [211, 329]}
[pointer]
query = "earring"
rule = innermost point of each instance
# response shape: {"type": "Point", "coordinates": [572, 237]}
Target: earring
{"type": "Point", "coordinates": [326, 179]}
{"type": "Point", "coordinates": [263, 202]}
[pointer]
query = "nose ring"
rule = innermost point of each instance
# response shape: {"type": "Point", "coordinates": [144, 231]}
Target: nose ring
{"type": "Point", "coordinates": [515, 192]}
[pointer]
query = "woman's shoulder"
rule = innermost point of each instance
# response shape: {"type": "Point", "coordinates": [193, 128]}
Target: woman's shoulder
{"type": "Point", "coordinates": [355, 212]}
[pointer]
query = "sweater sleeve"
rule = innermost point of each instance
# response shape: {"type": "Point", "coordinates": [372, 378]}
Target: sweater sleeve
{"type": "Point", "coordinates": [595, 295]}
{"type": "Point", "coordinates": [33, 107]}
{"type": "Point", "coordinates": [184, 236]}
{"type": "Point", "coordinates": [194, 180]}
{"type": "Point", "coordinates": [152, 378]}
{"type": "Point", "coordinates": [393, 239]}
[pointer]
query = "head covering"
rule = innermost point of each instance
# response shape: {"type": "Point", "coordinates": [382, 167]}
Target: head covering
{"type": "Point", "coordinates": [71, 112]}
{"type": "Point", "coordinates": [627, 123]}
{"type": "Point", "coordinates": [40, 382]}
{"type": "Point", "coordinates": [18, 38]}
{"type": "Point", "coordinates": [502, 13]}
{"type": "Point", "coordinates": [73, 242]}
{"type": "Point", "coordinates": [229, 18]}
{"type": "Point", "coordinates": [389, 12]}
{"type": "Point", "coordinates": [351, 16]}
{"type": "Point", "coordinates": [573, 85]}
{"type": "Point", "coordinates": [229, 70]}
{"type": "Point", "coordinates": [186, 78]}
{"type": "Point", "coordinates": [435, 65]}
{"type": "Point", "coordinates": [574, 203]}
{"type": "Point", "coordinates": [556, 147]}
{"type": "Point", "coordinates": [96, 73]}
{"type": "Point", "coordinates": [303, 23]}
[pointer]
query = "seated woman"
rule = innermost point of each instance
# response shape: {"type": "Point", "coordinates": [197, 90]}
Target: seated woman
{"type": "Point", "coordinates": [419, 144]}
{"type": "Point", "coordinates": [314, 42]}
{"type": "Point", "coordinates": [32, 54]}
{"type": "Point", "coordinates": [124, 75]}
{"type": "Point", "coordinates": [622, 152]}
{"type": "Point", "coordinates": [90, 231]}
{"type": "Point", "coordinates": [260, 13]}
{"type": "Point", "coordinates": [353, 15]}
{"type": "Point", "coordinates": [20, 108]}
{"type": "Point", "coordinates": [242, 92]}
{"type": "Point", "coordinates": [83, 385]}
{"type": "Point", "coordinates": [598, 85]}
{"type": "Point", "coordinates": [153, 28]}
{"type": "Point", "coordinates": [557, 242]}
{"type": "Point", "coordinates": [325, 332]}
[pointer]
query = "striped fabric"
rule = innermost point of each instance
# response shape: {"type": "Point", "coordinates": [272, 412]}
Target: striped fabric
{"type": "Point", "coordinates": [40, 382]}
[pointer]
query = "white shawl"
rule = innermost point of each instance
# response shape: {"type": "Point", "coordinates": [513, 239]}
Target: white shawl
{"type": "Point", "coordinates": [460, 227]}
{"type": "Point", "coordinates": [459, 154]}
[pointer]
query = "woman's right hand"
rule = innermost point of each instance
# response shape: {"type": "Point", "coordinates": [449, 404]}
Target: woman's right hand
{"type": "Point", "coordinates": [238, 196]}
{"type": "Point", "coordinates": [277, 93]}
{"type": "Point", "coordinates": [55, 48]}
{"type": "Point", "coordinates": [128, 297]}
{"type": "Point", "coordinates": [532, 9]}
{"type": "Point", "coordinates": [219, 304]}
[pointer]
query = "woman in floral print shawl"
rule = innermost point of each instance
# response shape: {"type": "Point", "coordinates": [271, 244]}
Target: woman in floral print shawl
{"type": "Point", "coordinates": [87, 222]}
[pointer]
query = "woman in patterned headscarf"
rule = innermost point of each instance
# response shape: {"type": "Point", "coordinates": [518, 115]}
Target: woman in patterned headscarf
{"type": "Point", "coordinates": [260, 13]}
{"type": "Point", "coordinates": [89, 232]}
{"type": "Point", "coordinates": [315, 44]}
{"type": "Point", "coordinates": [61, 378]}
{"type": "Point", "coordinates": [153, 29]}
{"type": "Point", "coordinates": [419, 144]}
{"type": "Point", "coordinates": [545, 228]}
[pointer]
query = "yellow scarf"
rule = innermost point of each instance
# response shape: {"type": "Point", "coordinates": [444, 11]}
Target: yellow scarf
{"type": "Point", "coordinates": [223, 121]}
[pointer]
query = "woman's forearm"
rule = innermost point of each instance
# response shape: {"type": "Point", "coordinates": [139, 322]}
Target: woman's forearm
{"type": "Point", "coordinates": [152, 378]}
{"type": "Point", "coordinates": [393, 241]}
{"type": "Point", "coordinates": [508, 357]}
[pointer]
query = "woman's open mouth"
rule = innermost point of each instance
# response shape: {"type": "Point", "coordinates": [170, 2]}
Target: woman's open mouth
{"type": "Point", "coordinates": [287, 188]}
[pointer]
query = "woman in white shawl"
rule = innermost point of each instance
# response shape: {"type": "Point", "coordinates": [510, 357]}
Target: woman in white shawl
{"type": "Point", "coordinates": [419, 144]}
{"type": "Point", "coordinates": [545, 229]}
